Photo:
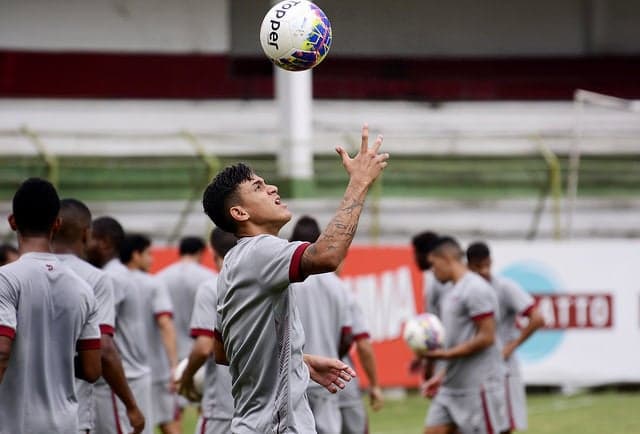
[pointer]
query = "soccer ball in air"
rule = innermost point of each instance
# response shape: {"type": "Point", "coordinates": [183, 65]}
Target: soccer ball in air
{"type": "Point", "coordinates": [295, 35]}
{"type": "Point", "coordinates": [423, 333]}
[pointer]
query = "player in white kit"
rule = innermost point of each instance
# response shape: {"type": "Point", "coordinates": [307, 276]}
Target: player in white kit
{"type": "Point", "coordinates": [49, 332]}
{"type": "Point", "coordinates": [469, 392]}
{"type": "Point", "coordinates": [157, 319]}
{"type": "Point", "coordinates": [326, 322]}
{"type": "Point", "coordinates": [113, 415]}
{"type": "Point", "coordinates": [259, 331]}
{"type": "Point", "coordinates": [354, 415]}
{"type": "Point", "coordinates": [69, 243]}
{"type": "Point", "coordinates": [216, 401]}
{"type": "Point", "coordinates": [513, 302]}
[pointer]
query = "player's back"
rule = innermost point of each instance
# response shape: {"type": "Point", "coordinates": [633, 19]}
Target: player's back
{"type": "Point", "coordinates": [54, 307]}
{"type": "Point", "coordinates": [130, 337]}
{"type": "Point", "coordinates": [182, 280]}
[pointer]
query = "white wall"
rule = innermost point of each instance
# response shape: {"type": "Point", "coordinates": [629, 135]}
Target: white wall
{"type": "Point", "coordinates": [115, 25]}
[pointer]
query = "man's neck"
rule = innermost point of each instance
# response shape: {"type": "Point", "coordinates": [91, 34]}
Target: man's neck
{"type": "Point", "coordinates": [30, 244]}
{"type": "Point", "coordinates": [251, 230]}
{"type": "Point", "coordinates": [190, 258]}
{"type": "Point", "coordinates": [71, 248]}
{"type": "Point", "coordinates": [459, 270]}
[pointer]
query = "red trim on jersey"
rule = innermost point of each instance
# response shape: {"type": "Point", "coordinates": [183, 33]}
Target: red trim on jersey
{"type": "Point", "coordinates": [88, 344]}
{"type": "Point", "coordinates": [202, 332]}
{"type": "Point", "coordinates": [203, 428]}
{"type": "Point", "coordinates": [512, 422]}
{"type": "Point", "coordinates": [528, 310]}
{"type": "Point", "coordinates": [360, 336]}
{"type": "Point", "coordinates": [482, 316]}
{"type": "Point", "coordinates": [7, 331]}
{"type": "Point", "coordinates": [106, 329]}
{"type": "Point", "coordinates": [115, 413]}
{"type": "Point", "coordinates": [164, 313]}
{"type": "Point", "coordinates": [345, 331]}
{"type": "Point", "coordinates": [485, 411]}
{"type": "Point", "coordinates": [295, 274]}
{"type": "Point", "coordinates": [217, 335]}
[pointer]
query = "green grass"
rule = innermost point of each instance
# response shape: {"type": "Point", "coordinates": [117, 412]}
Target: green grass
{"type": "Point", "coordinates": [589, 413]}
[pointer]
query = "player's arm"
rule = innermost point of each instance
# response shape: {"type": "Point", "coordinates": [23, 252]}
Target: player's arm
{"type": "Point", "coordinates": [485, 336]}
{"type": "Point", "coordinates": [329, 250]}
{"type": "Point", "coordinates": [328, 372]}
{"type": "Point", "coordinates": [5, 354]}
{"type": "Point", "coordinates": [113, 373]}
{"type": "Point", "coordinates": [202, 348]}
{"type": "Point", "coordinates": [536, 321]}
{"type": "Point", "coordinates": [169, 339]}
{"type": "Point", "coordinates": [368, 361]}
{"type": "Point", "coordinates": [218, 350]}
{"type": "Point", "coordinates": [87, 363]}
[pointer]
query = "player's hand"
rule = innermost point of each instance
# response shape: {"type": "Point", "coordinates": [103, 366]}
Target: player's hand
{"type": "Point", "coordinates": [136, 419]}
{"type": "Point", "coordinates": [187, 388]}
{"type": "Point", "coordinates": [416, 366]}
{"type": "Point", "coordinates": [367, 165]}
{"type": "Point", "coordinates": [437, 354]}
{"type": "Point", "coordinates": [327, 372]}
{"type": "Point", "coordinates": [508, 349]}
{"type": "Point", "coordinates": [376, 399]}
{"type": "Point", "coordinates": [430, 388]}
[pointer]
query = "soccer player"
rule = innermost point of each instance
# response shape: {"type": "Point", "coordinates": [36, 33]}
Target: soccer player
{"type": "Point", "coordinates": [8, 254]}
{"type": "Point", "coordinates": [157, 318]}
{"type": "Point", "coordinates": [324, 313]}
{"type": "Point", "coordinates": [217, 401]}
{"type": "Point", "coordinates": [113, 415]}
{"type": "Point", "coordinates": [69, 243]}
{"type": "Point", "coordinates": [469, 393]}
{"type": "Point", "coordinates": [354, 415]}
{"type": "Point", "coordinates": [513, 301]}
{"type": "Point", "coordinates": [48, 324]}
{"type": "Point", "coordinates": [257, 330]}
{"type": "Point", "coordinates": [182, 279]}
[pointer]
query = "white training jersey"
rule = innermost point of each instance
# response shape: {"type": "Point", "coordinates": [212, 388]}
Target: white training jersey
{"type": "Point", "coordinates": [350, 395]}
{"type": "Point", "coordinates": [50, 313]}
{"type": "Point", "coordinates": [322, 302]}
{"type": "Point", "coordinates": [102, 287]}
{"type": "Point", "coordinates": [156, 303]}
{"type": "Point", "coordinates": [260, 328]}
{"type": "Point", "coordinates": [217, 401]}
{"type": "Point", "coordinates": [182, 280]}
{"type": "Point", "coordinates": [130, 337]}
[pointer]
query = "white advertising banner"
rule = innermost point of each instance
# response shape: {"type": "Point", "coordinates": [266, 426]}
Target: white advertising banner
{"type": "Point", "coordinates": [589, 295]}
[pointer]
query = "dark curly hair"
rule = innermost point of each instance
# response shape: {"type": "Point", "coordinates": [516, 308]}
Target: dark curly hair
{"type": "Point", "coordinates": [221, 194]}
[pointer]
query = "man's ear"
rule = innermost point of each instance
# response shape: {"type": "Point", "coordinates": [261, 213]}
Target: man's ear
{"type": "Point", "coordinates": [12, 222]}
{"type": "Point", "coordinates": [238, 213]}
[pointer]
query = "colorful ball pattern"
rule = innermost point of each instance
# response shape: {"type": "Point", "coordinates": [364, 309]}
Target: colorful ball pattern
{"type": "Point", "coordinates": [423, 333]}
{"type": "Point", "coordinates": [296, 35]}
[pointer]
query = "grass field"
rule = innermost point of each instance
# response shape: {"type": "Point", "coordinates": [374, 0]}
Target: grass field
{"type": "Point", "coordinates": [593, 413]}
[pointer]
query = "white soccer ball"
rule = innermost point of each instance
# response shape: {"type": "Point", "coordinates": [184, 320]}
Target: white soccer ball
{"type": "Point", "coordinates": [423, 333]}
{"type": "Point", "coordinates": [295, 35]}
{"type": "Point", "coordinates": [198, 378]}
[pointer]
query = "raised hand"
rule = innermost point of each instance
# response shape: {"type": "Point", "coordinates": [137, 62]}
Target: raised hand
{"type": "Point", "coordinates": [368, 163]}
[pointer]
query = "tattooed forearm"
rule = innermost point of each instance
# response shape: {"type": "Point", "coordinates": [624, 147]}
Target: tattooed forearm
{"type": "Point", "coordinates": [329, 250]}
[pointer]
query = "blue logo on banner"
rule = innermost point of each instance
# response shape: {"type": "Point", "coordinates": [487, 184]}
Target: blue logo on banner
{"type": "Point", "coordinates": [536, 278]}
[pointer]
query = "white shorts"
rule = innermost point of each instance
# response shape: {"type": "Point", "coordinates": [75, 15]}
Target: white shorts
{"type": "Point", "coordinates": [164, 405]}
{"type": "Point", "coordinates": [111, 415]}
{"type": "Point", "coordinates": [325, 409]}
{"type": "Point", "coordinates": [472, 411]}
{"type": "Point", "coordinates": [213, 426]}
{"type": "Point", "coordinates": [516, 402]}
{"type": "Point", "coordinates": [354, 418]}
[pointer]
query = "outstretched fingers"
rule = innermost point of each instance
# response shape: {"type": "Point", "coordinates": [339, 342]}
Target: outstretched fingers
{"type": "Point", "coordinates": [364, 144]}
{"type": "Point", "coordinates": [378, 143]}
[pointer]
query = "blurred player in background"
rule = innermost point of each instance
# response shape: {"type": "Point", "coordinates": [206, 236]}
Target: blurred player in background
{"type": "Point", "coordinates": [469, 393]}
{"type": "Point", "coordinates": [324, 313]}
{"type": "Point", "coordinates": [216, 400]}
{"type": "Point", "coordinates": [69, 243]}
{"type": "Point", "coordinates": [182, 279]}
{"type": "Point", "coordinates": [114, 415]}
{"type": "Point", "coordinates": [354, 415]}
{"type": "Point", "coordinates": [513, 301]}
{"type": "Point", "coordinates": [8, 253]}
{"type": "Point", "coordinates": [135, 254]}
{"type": "Point", "coordinates": [48, 323]}
{"type": "Point", "coordinates": [269, 371]}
